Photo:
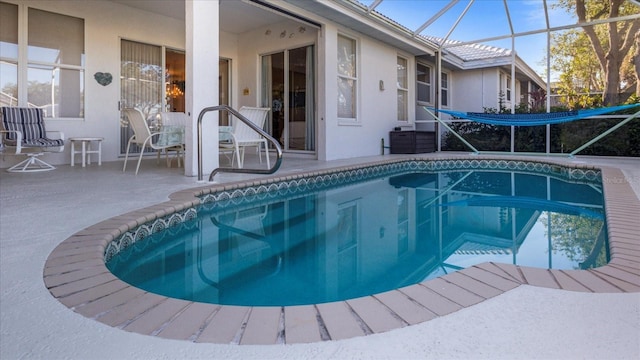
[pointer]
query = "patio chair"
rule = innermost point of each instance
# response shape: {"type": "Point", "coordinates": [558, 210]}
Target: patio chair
{"type": "Point", "coordinates": [242, 136]}
{"type": "Point", "coordinates": [23, 133]}
{"type": "Point", "coordinates": [143, 137]}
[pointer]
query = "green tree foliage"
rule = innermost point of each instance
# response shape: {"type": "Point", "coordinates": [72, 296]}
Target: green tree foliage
{"type": "Point", "coordinates": [577, 238]}
{"type": "Point", "coordinates": [599, 58]}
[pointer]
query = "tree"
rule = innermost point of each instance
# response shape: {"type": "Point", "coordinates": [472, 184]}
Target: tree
{"type": "Point", "coordinates": [612, 47]}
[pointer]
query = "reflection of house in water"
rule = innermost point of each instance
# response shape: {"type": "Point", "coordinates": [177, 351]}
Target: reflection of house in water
{"type": "Point", "coordinates": [487, 213]}
{"type": "Point", "coordinates": [379, 235]}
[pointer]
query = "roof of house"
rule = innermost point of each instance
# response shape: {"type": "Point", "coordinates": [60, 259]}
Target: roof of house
{"type": "Point", "coordinates": [470, 52]}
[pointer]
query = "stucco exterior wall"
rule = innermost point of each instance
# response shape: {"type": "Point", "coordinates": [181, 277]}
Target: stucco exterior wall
{"type": "Point", "coordinates": [475, 89]}
{"type": "Point", "coordinates": [377, 109]}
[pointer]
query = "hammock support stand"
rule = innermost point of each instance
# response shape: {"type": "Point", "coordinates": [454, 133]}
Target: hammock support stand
{"type": "Point", "coordinates": [494, 121]}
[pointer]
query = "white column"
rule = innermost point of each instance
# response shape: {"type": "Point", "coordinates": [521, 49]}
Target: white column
{"type": "Point", "coordinates": [202, 54]}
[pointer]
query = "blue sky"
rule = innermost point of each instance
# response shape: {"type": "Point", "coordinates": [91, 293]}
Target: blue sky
{"type": "Point", "coordinates": [484, 19]}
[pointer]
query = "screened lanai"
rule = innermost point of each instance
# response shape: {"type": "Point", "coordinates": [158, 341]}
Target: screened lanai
{"type": "Point", "coordinates": [516, 36]}
{"type": "Point", "coordinates": [468, 31]}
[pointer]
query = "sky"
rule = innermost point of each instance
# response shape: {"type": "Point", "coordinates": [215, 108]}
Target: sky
{"type": "Point", "coordinates": [484, 19]}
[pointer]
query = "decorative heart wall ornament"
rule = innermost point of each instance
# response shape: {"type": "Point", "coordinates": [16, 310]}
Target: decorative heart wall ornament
{"type": "Point", "coordinates": [103, 79]}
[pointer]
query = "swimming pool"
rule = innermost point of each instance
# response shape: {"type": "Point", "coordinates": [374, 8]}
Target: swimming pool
{"type": "Point", "coordinates": [362, 232]}
{"type": "Point", "coordinates": [75, 273]}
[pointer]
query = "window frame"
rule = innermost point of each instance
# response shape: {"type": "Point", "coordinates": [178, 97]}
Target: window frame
{"type": "Point", "coordinates": [355, 79]}
{"type": "Point", "coordinates": [445, 91]}
{"type": "Point", "coordinates": [11, 61]}
{"type": "Point", "coordinates": [402, 90]}
{"type": "Point", "coordinates": [24, 65]}
{"type": "Point", "coordinates": [429, 85]}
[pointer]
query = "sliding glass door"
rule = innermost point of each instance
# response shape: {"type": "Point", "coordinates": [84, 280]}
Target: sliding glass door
{"type": "Point", "coordinates": [288, 87]}
{"type": "Point", "coordinates": [141, 83]}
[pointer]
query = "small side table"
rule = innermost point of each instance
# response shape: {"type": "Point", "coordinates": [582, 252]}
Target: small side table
{"type": "Point", "coordinates": [86, 149]}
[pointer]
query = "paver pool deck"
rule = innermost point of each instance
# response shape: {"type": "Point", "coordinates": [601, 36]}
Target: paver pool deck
{"type": "Point", "coordinates": [76, 275]}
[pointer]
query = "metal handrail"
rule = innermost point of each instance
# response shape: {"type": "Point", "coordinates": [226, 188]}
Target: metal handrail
{"type": "Point", "coordinates": [242, 118]}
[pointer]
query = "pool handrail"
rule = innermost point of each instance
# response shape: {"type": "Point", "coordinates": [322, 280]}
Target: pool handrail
{"type": "Point", "coordinates": [242, 118]}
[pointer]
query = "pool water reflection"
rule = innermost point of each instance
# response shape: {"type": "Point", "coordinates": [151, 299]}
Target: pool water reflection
{"type": "Point", "coordinates": [371, 237]}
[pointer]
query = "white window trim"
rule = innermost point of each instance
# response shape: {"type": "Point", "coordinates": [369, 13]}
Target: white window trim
{"type": "Point", "coordinates": [448, 88]}
{"type": "Point", "coordinates": [357, 120]}
{"type": "Point", "coordinates": [430, 84]}
{"type": "Point", "coordinates": [23, 62]}
{"type": "Point", "coordinates": [405, 89]}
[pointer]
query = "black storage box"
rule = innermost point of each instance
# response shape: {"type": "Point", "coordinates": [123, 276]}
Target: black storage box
{"type": "Point", "coordinates": [412, 142]}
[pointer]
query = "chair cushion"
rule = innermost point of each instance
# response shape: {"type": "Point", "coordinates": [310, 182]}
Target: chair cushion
{"type": "Point", "coordinates": [43, 142]}
{"type": "Point", "coordinates": [29, 121]}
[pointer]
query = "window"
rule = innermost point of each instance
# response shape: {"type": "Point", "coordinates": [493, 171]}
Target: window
{"type": "Point", "coordinates": [444, 89]}
{"type": "Point", "coordinates": [403, 93]}
{"type": "Point", "coordinates": [508, 88]}
{"type": "Point", "coordinates": [423, 81]}
{"type": "Point", "coordinates": [9, 54]}
{"type": "Point", "coordinates": [347, 79]}
{"type": "Point", "coordinates": [54, 67]}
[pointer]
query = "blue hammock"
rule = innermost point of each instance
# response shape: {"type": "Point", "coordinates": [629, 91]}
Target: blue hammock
{"type": "Point", "coordinates": [534, 119]}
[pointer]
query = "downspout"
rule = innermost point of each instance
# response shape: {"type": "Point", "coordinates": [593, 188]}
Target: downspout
{"type": "Point", "coordinates": [548, 100]}
{"type": "Point", "coordinates": [513, 90]}
{"type": "Point", "coordinates": [436, 97]}
{"type": "Point", "coordinates": [513, 74]}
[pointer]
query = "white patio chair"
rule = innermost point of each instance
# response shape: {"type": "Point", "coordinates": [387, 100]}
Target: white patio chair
{"type": "Point", "coordinates": [143, 137]}
{"type": "Point", "coordinates": [242, 136]}
{"type": "Point", "coordinates": [23, 133]}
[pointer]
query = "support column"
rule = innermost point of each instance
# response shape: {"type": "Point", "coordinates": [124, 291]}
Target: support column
{"type": "Point", "coordinates": [202, 55]}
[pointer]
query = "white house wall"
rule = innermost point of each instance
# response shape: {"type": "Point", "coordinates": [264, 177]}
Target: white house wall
{"type": "Point", "coordinates": [267, 40]}
{"type": "Point", "coordinates": [476, 89]}
{"type": "Point", "coordinates": [377, 109]}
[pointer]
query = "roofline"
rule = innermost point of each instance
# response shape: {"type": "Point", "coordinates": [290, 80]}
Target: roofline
{"type": "Point", "coordinates": [366, 21]}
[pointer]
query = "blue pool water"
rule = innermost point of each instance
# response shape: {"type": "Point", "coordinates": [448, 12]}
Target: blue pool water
{"type": "Point", "coordinates": [344, 241]}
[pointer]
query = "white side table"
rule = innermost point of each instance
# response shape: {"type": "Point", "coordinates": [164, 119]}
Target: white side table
{"type": "Point", "coordinates": [86, 149]}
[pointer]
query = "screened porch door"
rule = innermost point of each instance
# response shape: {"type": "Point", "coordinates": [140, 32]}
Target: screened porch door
{"type": "Point", "coordinates": [288, 87]}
